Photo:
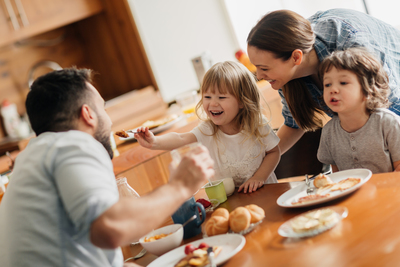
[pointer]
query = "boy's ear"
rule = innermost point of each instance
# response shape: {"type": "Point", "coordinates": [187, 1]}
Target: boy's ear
{"type": "Point", "coordinates": [297, 56]}
{"type": "Point", "coordinates": [88, 116]}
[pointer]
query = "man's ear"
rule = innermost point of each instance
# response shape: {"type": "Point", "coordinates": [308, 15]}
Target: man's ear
{"type": "Point", "coordinates": [88, 116]}
{"type": "Point", "coordinates": [297, 56]}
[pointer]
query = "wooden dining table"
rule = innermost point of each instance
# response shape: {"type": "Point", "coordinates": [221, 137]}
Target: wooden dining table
{"type": "Point", "coordinates": [368, 236]}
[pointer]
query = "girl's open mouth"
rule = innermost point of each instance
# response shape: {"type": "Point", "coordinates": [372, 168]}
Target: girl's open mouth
{"type": "Point", "coordinates": [216, 113]}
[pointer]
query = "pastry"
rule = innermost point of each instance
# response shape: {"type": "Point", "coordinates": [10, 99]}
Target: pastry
{"type": "Point", "coordinates": [221, 212]}
{"type": "Point", "coordinates": [314, 220]}
{"type": "Point", "coordinates": [239, 219]}
{"type": "Point", "coordinates": [198, 257]}
{"type": "Point", "coordinates": [309, 198]}
{"type": "Point", "coordinates": [216, 225]}
{"type": "Point", "coordinates": [121, 134]}
{"type": "Point", "coordinates": [322, 180]}
{"type": "Point", "coordinates": [257, 213]}
{"type": "Point", "coordinates": [345, 184]}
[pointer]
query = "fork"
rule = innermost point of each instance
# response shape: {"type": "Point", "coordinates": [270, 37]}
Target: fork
{"type": "Point", "coordinates": [310, 190]}
{"type": "Point", "coordinates": [139, 255]}
{"type": "Point", "coordinates": [131, 131]}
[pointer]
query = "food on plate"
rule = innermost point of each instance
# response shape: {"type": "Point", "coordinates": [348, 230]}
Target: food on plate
{"type": "Point", "coordinates": [156, 237]}
{"type": "Point", "coordinates": [314, 220]}
{"type": "Point", "coordinates": [256, 213]}
{"type": "Point", "coordinates": [204, 202]}
{"type": "Point", "coordinates": [121, 133]}
{"type": "Point", "coordinates": [345, 184]}
{"type": "Point", "coordinates": [217, 225]}
{"type": "Point", "coordinates": [197, 256]}
{"type": "Point", "coordinates": [239, 219]}
{"type": "Point", "coordinates": [322, 180]}
{"type": "Point", "coordinates": [310, 198]}
{"type": "Point", "coordinates": [221, 212]}
{"type": "Point", "coordinates": [153, 124]}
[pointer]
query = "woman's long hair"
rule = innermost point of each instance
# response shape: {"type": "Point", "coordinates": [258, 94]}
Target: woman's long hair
{"type": "Point", "coordinates": [281, 32]}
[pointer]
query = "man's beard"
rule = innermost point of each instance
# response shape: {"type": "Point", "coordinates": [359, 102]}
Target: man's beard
{"type": "Point", "coordinates": [103, 137]}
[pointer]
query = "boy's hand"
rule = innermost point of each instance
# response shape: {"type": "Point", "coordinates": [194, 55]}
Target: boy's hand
{"type": "Point", "coordinates": [145, 137]}
{"type": "Point", "coordinates": [251, 185]}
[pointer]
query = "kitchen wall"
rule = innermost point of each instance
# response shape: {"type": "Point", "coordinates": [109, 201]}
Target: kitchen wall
{"type": "Point", "coordinates": [175, 31]}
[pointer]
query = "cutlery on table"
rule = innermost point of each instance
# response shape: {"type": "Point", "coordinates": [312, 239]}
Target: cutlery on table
{"type": "Point", "coordinates": [310, 190]}
{"type": "Point", "coordinates": [139, 255]}
{"type": "Point", "coordinates": [210, 254]}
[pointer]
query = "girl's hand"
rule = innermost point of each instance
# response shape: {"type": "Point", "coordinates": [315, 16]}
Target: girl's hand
{"type": "Point", "coordinates": [145, 137]}
{"type": "Point", "coordinates": [251, 185]}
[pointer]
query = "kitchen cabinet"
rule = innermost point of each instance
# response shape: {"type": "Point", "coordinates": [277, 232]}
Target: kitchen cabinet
{"type": "Point", "coordinates": [20, 19]}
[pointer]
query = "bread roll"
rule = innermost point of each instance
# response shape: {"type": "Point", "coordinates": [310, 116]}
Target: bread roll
{"type": "Point", "coordinates": [322, 180]}
{"type": "Point", "coordinates": [217, 225]}
{"type": "Point", "coordinates": [221, 212]}
{"type": "Point", "coordinates": [256, 212]}
{"type": "Point", "coordinates": [239, 219]}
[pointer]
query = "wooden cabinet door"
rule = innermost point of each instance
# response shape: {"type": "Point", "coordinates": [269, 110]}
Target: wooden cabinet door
{"type": "Point", "coordinates": [39, 16]}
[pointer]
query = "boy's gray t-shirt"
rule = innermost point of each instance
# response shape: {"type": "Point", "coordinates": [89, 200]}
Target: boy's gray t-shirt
{"type": "Point", "coordinates": [375, 146]}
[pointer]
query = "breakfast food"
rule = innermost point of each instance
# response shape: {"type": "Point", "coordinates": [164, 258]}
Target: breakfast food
{"type": "Point", "coordinates": [121, 133]}
{"type": "Point", "coordinates": [256, 213]}
{"type": "Point", "coordinates": [322, 180]}
{"type": "Point", "coordinates": [221, 212]}
{"type": "Point", "coordinates": [156, 237]}
{"type": "Point", "coordinates": [239, 219]}
{"type": "Point", "coordinates": [153, 124]}
{"type": "Point", "coordinates": [345, 184]}
{"type": "Point", "coordinates": [204, 202]}
{"type": "Point", "coordinates": [217, 225]}
{"type": "Point", "coordinates": [314, 220]}
{"type": "Point", "coordinates": [309, 198]}
{"type": "Point", "coordinates": [197, 256]}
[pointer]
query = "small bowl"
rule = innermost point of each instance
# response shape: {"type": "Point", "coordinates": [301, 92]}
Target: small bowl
{"type": "Point", "coordinates": [165, 244]}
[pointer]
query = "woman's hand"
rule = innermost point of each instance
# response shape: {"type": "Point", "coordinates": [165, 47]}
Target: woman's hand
{"type": "Point", "coordinates": [145, 137]}
{"type": "Point", "coordinates": [251, 185]}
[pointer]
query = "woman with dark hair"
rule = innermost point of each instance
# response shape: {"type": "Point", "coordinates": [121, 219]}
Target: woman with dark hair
{"type": "Point", "coordinates": [287, 50]}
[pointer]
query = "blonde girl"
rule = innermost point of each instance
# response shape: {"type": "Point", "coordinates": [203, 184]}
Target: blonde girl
{"type": "Point", "coordinates": [239, 139]}
{"type": "Point", "coordinates": [362, 133]}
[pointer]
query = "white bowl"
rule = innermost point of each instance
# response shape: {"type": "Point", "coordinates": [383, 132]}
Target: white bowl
{"type": "Point", "coordinates": [165, 244]}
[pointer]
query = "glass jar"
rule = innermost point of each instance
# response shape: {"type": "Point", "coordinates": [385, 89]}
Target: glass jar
{"type": "Point", "coordinates": [124, 189]}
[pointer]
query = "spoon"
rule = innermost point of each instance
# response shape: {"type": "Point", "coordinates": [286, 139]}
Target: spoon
{"type": "Point", "coordinates": [188, 221]}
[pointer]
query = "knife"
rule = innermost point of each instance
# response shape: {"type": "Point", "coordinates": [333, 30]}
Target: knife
{"type": "Point", "coordinates": [210, 254]}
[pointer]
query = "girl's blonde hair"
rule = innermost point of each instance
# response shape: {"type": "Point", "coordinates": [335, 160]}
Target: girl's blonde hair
{"type": "Point", "coordinates": [233, 78]}
{"type": "Point", "coordinates": [370, 73]}
{"type": "Point", "coordinates": [281, 32]}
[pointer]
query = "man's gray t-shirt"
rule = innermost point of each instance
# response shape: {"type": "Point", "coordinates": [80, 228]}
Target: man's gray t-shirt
{"type": "Point", "coordinates": [375, 146]}
{"type": "Point", "coordinates": [60, 184]}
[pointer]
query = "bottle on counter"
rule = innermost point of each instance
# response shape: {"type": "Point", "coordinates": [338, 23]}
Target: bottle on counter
{"type": "Point", "coordinates": [11, 118]}
{"type": "Point", "coordinates": [244, 59]}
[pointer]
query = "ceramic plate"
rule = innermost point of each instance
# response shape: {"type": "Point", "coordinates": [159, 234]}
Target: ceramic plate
{"type": "Point", "coordinates": [155, 130]}
{"type": "Point", "coordinates": [231, 244]}
{"type": "Point", "coordinates": [292, 195]}
{"type": "Point", "coordinates": [286, 229]}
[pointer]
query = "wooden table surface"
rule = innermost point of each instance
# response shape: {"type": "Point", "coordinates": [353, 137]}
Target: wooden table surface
{"type": "Point", "coordinates": [369, 236]}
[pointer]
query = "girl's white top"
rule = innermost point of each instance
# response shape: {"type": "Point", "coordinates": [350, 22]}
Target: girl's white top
{"type": "Point", "coordinates": [235, 157]}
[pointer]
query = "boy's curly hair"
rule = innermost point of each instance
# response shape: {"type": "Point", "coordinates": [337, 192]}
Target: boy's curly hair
{"type": "Point", "coordinates": [373, 78]}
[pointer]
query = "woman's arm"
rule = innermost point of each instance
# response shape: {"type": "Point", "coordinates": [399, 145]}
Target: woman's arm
{"type": "Point", "coordinates": [267, 166]}
{"type": "Point", "coordinates": [289, 136]}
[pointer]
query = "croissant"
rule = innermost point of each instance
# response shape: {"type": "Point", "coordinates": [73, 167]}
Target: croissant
{"type": "Point", "coordinates": [257, 213]}
{"type": "Point", "coordinates": [217, 225]}
{"type": "Point", "coordinates": [239, 219]}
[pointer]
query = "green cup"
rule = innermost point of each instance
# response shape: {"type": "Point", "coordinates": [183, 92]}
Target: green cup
{"type": "Point", "coordinates": [216, 190]}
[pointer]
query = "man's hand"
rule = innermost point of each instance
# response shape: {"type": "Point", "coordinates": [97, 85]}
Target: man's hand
{"type": "Point", "coordinates": [194, 170]}
{"type": "Point", "coordinates": [145, 137]}
{"type": "Point", "coordinates": [251, 185]}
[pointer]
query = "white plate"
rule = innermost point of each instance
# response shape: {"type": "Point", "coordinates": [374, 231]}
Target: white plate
{"type": "Point", "coordinates": [155, 130]}
{"type": "Point", "coordinates": [292, 195]}
{"type": "Point", "coordinates": [231, 244]}
{"type": "Point", "coordinates": [286, 229]}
